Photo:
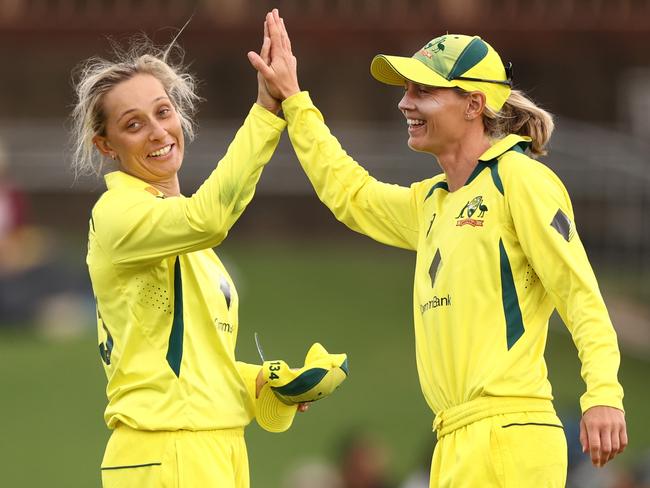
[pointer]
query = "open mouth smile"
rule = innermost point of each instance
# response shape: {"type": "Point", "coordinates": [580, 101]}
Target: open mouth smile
{"type": "Point", "coordinates": [161, 152]}
{"type": "Point", "coordinates": [415, 124]}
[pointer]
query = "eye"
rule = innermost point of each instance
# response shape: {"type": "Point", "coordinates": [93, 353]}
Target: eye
{"type": "Point", "coordinates": [133, 125]}
{"type": "Point", "coordinates": [164, 112]}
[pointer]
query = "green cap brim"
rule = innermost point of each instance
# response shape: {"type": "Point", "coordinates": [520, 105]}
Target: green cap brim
{"type": "Point", "coordinates": [395, 70]}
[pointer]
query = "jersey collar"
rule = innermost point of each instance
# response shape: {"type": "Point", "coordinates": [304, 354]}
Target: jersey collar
{"type": "Point", "coordinates": [120, 179]}
{"type": "Point", "coordinates": [501, 146]}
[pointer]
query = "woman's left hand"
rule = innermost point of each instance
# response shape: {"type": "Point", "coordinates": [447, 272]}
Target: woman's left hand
{"type": "Point", "coordinates": [603, 433]}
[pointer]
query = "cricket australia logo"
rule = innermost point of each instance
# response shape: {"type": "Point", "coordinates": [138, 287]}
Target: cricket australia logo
{"type": "Point", "coordinates": [433, 47]}
{"type": "Point", "coordinates": [469, 216]}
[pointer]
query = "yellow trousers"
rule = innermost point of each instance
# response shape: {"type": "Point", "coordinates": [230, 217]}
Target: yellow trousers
{"type": "Point", "coordinates": [177, 459]}
{"type": "Point", "coordinates": [511, 450]}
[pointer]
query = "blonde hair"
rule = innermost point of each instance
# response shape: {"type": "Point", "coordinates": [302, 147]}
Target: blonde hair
{"type": "Point", "coordinates": [519, 115]}
{"type": "Point", "coordinates": [97, 76]}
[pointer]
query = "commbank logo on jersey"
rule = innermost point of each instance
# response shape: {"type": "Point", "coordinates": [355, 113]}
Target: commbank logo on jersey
{"type": "Point", "coordinates": [472, 213]}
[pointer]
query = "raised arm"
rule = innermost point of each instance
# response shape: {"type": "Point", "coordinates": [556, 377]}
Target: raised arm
{"type": "Point", "coordinates": [384, 212]}
{"type": "Point", "coordinates": [142, 228]}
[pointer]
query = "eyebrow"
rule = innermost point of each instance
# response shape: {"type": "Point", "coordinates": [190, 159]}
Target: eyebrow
{"type": "Point", "coordinates": [133, 110]}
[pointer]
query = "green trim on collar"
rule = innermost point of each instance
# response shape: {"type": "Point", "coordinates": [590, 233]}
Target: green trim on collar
{"type": "Point", "coordinates": [496, 179]}
{"type": "Point", "coordinates": [440, 184]}
{"type": "Point", "coordinates": [492, 164]}
{"type": "Point", "coordinates": [504, 145]}
{"type": "Point", "coordinates": [477, 170]}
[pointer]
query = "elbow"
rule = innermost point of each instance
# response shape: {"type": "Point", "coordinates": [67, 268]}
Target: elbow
{"type": "Point", "coordinates": [209, 235]}
{"type": "Point", "coordinates": [207, 225]}
{"type": "Point", "coordinates": [213, 232]}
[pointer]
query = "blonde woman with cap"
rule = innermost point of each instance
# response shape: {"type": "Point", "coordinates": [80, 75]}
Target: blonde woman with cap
{"type": "Point", "coordinates": [167, 309]}
{"type": "Point", "coordinates": [497, 251]}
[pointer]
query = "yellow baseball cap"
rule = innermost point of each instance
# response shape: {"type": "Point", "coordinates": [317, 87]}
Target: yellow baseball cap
{"type": "Point", "coordinates": [467, 62]}
{"type": "Point", "coordinates": [278, 400]}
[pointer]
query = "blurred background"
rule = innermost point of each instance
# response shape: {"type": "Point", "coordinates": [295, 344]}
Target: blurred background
{"type": "Point", "coordinates": [302, 277]}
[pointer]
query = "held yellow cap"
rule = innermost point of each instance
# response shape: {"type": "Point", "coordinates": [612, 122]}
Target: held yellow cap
{"type": "Point", "coordinates": [278, 401]}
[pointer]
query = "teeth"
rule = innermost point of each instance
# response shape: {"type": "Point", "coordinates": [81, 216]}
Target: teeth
{"type": "Point", "coordinates": [161, 152]}
{"type": "Point", "coordinates": [412, 122]}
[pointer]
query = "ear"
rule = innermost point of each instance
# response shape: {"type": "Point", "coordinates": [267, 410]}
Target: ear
{"type": "Point", "coordinates": [104, 147]}
{"type": "Point", "coordinates": [475, 105]}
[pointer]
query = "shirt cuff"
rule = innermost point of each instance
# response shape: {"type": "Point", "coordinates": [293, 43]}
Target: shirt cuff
{"type": "Point", "coordinates": [292, 105]}
{"type": "Point", "coordinates": [587, 403]}
{"type": "Point", "coordinates": [268, 117]}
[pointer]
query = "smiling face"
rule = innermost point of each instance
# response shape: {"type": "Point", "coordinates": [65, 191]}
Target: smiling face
{"type": "Point", "coordinates": [143, 130]}
{"type": "Point", "coordinates": [435, 117]}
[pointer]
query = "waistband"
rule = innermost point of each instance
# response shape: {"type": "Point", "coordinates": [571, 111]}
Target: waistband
{"type": "Point", "coordinates": [124, 429]}
{"type": "Point", "coordinates": [453, 418]}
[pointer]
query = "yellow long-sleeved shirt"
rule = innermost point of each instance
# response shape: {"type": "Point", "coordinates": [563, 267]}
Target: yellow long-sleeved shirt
{"type": "Point", "coordinates": [494, 259]}
{"type": "Point", "coordinates": [166, 306]}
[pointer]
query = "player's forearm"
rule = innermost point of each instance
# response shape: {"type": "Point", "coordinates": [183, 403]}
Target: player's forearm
{"type": "Point", "coordinates": [231, 186]}
{"type": "Point", "coordinates": [381, 211]}
{"type": "Point", "coordinates": [336, 177]}
{"type": "Point", "coordinates": [595, 339]}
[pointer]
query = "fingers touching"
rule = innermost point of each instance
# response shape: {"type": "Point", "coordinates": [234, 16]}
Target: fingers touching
{"type": "Point", "coordinates": [265, 52]}
{"type": "Point", "coordinates": [276, 63]}
{"type": "Point", "coordinates": [261, 63]}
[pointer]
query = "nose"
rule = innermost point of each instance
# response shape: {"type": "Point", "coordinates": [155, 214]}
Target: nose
{"type": "Point", "coordinates": [157, 131]}
{"type": "Point", "coordinates": [406, 103]}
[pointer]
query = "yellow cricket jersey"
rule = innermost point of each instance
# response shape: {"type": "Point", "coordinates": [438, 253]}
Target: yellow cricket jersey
{"type": "Point", "coordinates": [166, 306]}
{"type": "Point", "coordinates": [494, 258]}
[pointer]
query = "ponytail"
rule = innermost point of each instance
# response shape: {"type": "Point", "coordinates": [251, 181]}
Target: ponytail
{"type": "Point", "coordinates": [519, 115]}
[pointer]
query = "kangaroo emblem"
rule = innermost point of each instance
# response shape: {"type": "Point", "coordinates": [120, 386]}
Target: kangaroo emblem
{"type": "Point", "coordinates": [438, 43]}
{"type": "Point", "coordinates": [474, 205]}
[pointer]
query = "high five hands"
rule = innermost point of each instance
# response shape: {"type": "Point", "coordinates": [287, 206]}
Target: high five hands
{"type": "Point", "coordinates": [276, 65]}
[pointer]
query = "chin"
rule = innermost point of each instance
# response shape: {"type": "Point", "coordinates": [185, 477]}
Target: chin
{"type": "Point", "coordinates": [414, 145]}
{"type": "Point", "coordinates": [163, 171]}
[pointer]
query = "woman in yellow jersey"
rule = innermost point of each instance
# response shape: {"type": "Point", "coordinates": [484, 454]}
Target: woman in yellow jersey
{"type": "Point", "coordinates": [167, 310]}
{"type": "Point", "coordinates": [497, 251]}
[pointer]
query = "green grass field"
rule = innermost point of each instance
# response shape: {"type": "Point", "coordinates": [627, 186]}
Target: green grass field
{"type": "Point", "coordinates": [352, 299]}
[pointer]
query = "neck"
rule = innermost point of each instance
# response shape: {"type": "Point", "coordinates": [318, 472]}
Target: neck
{"type": "Point", "coordinates": [169, 188]}
{"type": "Point", "coordinates": [459, 159]}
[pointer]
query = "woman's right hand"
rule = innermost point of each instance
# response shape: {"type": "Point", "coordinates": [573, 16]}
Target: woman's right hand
{"type": "Point", "coordinates": [259, 384]}
{"type": "Point", "coordinates": [280, 75]}
{"type": "Point", "coordinates": [264, 97]}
